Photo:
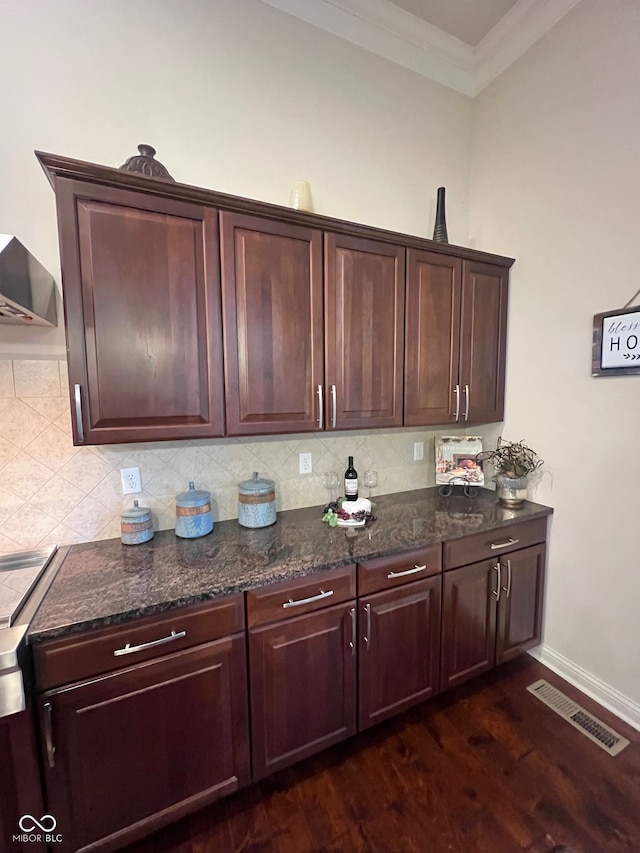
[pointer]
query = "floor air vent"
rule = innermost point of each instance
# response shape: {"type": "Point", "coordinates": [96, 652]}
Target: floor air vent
{"type": "Point", "coordinates": [610, 741]}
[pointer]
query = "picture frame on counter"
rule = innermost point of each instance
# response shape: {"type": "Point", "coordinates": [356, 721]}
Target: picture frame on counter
{"type": "Point", "coordinates": [456, 463]}
{"type": "Point", "coordinates": [616, 342]}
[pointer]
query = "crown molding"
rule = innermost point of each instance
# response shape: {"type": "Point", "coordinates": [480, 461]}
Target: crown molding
{"type": "Point", "coordinates": [383, 28]}
{"type": "Point", "coordinates": [389, 31]}
{"type": "Point", "coordinates": [513, 35]}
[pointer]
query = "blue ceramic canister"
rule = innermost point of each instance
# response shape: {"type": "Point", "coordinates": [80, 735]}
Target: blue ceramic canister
{"type": "Point", "coordinates": [136, 525]}
{"type": "Point", "coordinates": [256, 502]}
{"type": "Point", "coordinates": [193, 513]}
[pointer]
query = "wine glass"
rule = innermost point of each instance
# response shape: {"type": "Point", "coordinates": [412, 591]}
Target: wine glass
{"type": "Point", "coordinates": [370, 480]}
{"type": "Point", "coordinates": [330, 481]}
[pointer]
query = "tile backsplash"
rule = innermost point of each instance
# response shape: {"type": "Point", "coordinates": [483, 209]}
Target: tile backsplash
{"type": "Point", "coordinates": [54, 493]}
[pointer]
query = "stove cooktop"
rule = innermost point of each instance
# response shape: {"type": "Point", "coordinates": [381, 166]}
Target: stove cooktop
{"type": "Point", "coordinates": [19, 573]}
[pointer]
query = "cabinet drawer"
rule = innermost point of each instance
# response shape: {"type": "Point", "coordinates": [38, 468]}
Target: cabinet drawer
{"type": "Point", "coordinates": [293, 598]}
{"type": "Point", "coordinates": [387, 572]}
{"type": "Point", "coordinates": [93, 653]}
{"type": "Point", "coordinates": [493, 543]}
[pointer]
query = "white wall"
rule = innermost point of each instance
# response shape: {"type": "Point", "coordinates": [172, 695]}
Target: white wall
{"type": "Point", "coordinates": [238, 97]}
{"type": "Point", "coordinates": [235, 96]}
{"type": "Point", "coordinates": [556, 182]}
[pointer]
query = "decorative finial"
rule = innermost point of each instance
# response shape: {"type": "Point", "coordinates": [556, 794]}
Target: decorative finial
{"type": "Point", "coordinates": [144, 164]}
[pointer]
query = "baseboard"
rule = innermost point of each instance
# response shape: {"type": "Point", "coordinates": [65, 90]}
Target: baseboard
{"type": "Point", "coordinates": [603, 693]}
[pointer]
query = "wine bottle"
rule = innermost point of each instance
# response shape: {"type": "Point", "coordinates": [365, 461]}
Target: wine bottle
{"type": "Point", "coordinates": [351, 482]}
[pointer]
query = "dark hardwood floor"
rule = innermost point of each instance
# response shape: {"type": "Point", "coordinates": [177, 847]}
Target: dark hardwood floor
{"type": "Point", "coordinates": [486, 768]}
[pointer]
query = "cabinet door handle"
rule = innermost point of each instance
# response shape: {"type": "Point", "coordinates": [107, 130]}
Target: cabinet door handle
{"type": "Point", "coordinates": [507, 588]}
{"type": "Point", "coordinates": [129, 649]}
{"type": "Point", "coordinates": [334, 406]}
{"type": "Point", "coordinates": [367, 636]}
{"type": "Point", "coordinates": [466, 402]}
{"type": "Point", "coordinates": [48, 735]}
{"type": "Point", "coordinates": [320, 408]}
{"type": "Point", "coordinates": [322, 594]}
{"type": "Point", "coordinates": [412, 571]}
{"type": "Point", "coordinates": [456, 391]}
{"type": "Point", "coordinates": [496, 591]}
{"type": "Point", "coordinates": [78, 401]}
{"type": "Point", "coordinates": [352, 642]}
{"type": "Point", "coordinates": [505, 544]}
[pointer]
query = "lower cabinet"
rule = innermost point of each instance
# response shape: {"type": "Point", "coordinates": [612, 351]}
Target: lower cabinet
{"type": "Point", "coordinates": [399, 649]}
{"type": "Point", "coordinates": [492, 612]}
{"type": "Point", "coordinates": [20, 787]}
{"type": "Point", "coordinates": [144, 722]}
{"type": "Point", "coordinates": [303, 686]}
{"type": "Point", "coordinates": [127, 752]}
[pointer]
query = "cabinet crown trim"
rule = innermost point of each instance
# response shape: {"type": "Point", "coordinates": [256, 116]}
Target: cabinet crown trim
{"type": "Point", "coordinates": [56, 167]}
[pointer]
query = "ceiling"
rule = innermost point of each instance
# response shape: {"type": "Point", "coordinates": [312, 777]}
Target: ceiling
{"type": "Point", "coordinates": [469, 20]}
{"type": "Point", "coordinates": [463, 44]}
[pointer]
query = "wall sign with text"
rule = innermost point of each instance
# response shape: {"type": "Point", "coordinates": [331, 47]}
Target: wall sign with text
{"type": "Point", "coordinates": [616, 342]}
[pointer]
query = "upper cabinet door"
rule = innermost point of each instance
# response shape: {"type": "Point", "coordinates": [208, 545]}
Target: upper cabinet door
{"type": "Point", "coordinates": [483, 331]}
{"type": "Point", "coordinates": [432, 338]}
{"type": "Point", "coordinates": [142, 313]}
{"type": "Point", "coordinates": [364, 332]}
{"type": "Point", "coordinates": [272, 304]}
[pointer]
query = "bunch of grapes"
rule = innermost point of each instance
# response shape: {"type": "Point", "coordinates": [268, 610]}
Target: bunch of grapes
{"type": "Point", "coordinates": [334, 511]}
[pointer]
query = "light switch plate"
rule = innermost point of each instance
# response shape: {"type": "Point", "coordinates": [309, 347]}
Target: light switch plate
{"type": "Point", "coordinates": [418, 451]}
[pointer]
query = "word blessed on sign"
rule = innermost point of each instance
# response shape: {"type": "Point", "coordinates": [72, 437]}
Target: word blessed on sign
{"type": "Point", "coordinates": [616, 342]}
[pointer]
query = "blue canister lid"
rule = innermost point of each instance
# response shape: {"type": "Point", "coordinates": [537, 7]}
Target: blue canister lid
{"type": "Point", "coordinates": [193, 497]}
{"type": "Point", "coordinates": [256, 485]}
{"type": "Point", "coordinates": [135, 514]}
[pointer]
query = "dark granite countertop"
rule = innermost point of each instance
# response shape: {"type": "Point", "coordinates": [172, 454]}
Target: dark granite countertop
{"type": "Point", "coordinates": [106, 582]}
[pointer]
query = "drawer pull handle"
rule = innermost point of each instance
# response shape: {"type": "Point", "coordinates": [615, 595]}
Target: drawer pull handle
{"type": "Point", "coordinates": [412, 571]}
{"type": "Point", "coordinates": [322, 594]}
{"type": "Point", "coordinates": [48, 735]}
{"type": "Point", "coordinates": [129, 649]}
{"type": "Point", "coordinates": [496, 545]}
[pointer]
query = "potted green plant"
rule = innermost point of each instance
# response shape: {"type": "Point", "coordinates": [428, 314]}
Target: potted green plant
{"type": "Point", "coordinates": [513, 462]}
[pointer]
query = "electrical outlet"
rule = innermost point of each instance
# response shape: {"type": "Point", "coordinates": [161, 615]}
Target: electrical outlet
{"type": "Point", "coordinates": [131, 481]}
{"type": "Point", "coordinates": [418, 451]}
{"type": "Point", "coordinates": [305, 463]}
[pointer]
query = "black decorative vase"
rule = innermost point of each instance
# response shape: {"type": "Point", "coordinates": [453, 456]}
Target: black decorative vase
{"type": "Point", "coordinates": [440, 230]}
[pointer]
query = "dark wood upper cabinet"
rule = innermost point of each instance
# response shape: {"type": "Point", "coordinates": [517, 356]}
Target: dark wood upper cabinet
{"type": "Point", "coordinates": [432, 338]}
{"type": "Point", "coordinates": [311, 315]}
{"type": "Point", "coordinates": [142, 313]}
{"type": "Point", "coordinates": [456, 322]}
{"type": "Point", "coordinates": [483, 338]}
{"type": "Point", "coordinates": [272, 304]}
{"type": "Point", "coordinates": [364, 332]}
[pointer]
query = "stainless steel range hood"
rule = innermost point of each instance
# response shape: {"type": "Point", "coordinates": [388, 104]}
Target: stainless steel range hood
{"type": "Point", "coordinates": [27, 290]}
